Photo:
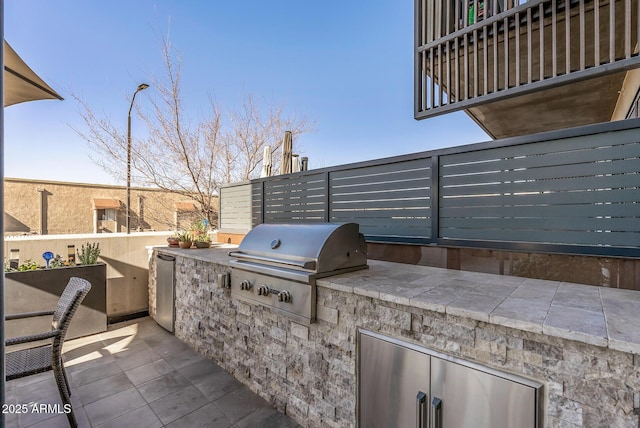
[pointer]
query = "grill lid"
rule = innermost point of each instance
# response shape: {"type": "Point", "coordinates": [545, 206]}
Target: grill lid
{"type": "Point", "coordinates": [315, 247]}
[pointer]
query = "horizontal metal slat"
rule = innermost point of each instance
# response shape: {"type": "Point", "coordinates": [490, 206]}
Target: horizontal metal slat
{"type": "Point", "coordinates": [582, 183]}
{"type": "Point", "coordinates": [293, 185]}
{"type": "Point", "coordinates": [383, 213]}
{"type": "Point", "coordinates": [604, 139]}
{"type": "Point", "coordinates": [624, 239]}
{"type": "Point", "coordinates": [296, 219]}
{"type": "Point", "coordinates": [422, 202]}
{"type": "Point", "coordinates": [617, 210]}
{"type": "Point", "coordinates": [237, 207]}
{"type": "Point", "coordinates": [555, 198]}
{"type": "Point", "coordinates": [385, 168]}
{"type": "Point", "coordinates": [288, 189]}
{"type": "Point", "coordinates": [390, 186]}
{"type": "Point", "coordinates": [316, 176]}
{"type": "Point", "coordinates": [548, 159]}
{"type": "Point", "coordinates": [293, 212]}
{"type": "Point", "coordinates": [294, 206]}
{"type": "Point", "coordinates": [293, 182]}
{"type": "Point", "coordinates": [289, 207]}
{"type": "Point", "coordinates": [292, 195]}
{"type": "Point", "coordinates": [391, 177]}
{"type": "Point", "coordinates": [398, 223]}
{"type": "Point", "coordinates": [548, 173]}
{"type": "Point", "coordinates": [396, 231]}
{"type": "Point", "coordinates": [285, 211]}
{"type": "Point", "coordinates": [244, 200]}
{"type": "Point", "coordinates": [398, 195]}
{"type": "Point", "coordinates": [546, 223]}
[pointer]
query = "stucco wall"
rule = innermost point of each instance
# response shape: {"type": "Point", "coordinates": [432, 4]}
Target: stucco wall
{"type": "Point", "coordinates": [69, 207]}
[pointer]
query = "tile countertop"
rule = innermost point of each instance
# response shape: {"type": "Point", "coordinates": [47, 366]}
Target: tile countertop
{"type": "Point", "coordinates": [217, 253]}
{"type": "Point", "coordinates": [599, 316]}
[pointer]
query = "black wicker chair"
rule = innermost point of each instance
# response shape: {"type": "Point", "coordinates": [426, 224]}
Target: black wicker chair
{"type": "Point", "coordinates": [40, 359]}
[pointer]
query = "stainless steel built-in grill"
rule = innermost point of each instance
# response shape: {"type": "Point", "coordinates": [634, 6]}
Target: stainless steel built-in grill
{"type": "Point", "coordinates": [277, 264]}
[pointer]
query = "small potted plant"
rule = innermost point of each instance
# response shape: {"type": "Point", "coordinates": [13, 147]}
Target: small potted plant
{"type": "Point", "coordinates": [202, 240]}
{"type": "Point", "coordinates": [200, 233]}
{"type": "Point", "coordinates": [173, 240]}
{"type": "Point", "coordinates": [88, 254]}
{"type": "Point", "coordinates": [185, 240]}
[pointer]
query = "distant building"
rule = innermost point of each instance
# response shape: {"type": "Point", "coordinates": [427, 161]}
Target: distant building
{"type": "Point", "coordinates": [51, 207]}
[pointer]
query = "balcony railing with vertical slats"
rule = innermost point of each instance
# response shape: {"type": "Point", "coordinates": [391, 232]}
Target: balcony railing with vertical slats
{"type": "Point", "coordinates": [472, 52]}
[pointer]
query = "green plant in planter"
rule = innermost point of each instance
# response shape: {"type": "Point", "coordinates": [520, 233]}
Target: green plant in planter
{"type": "Point", "coordinates": [24, 266]}
{"type": "Point", "coordinates": [88, 254]}
{"type": "Point", "coordinates": [184, 236]}
{"type": "Point", "coordinates": [28, 265]}
{"type": "Point", "coordinates": [201, 236]}
{"type": "Point", "coordinates": [202, 240]}
{"type": "Point", "coordinates": [185, 239]}
{"type": "Point", "coordinates": [173, 239]}
{"type": "Point", "coordinates": [57, 262]}
{"type": "Point", "coordinates": [199, 227]}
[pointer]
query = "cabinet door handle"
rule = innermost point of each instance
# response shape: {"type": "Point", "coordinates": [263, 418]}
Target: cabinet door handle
{"type": "Point", "coordinates": [436, 413]}
{"type": "Point", "coordinates": [421, 410]}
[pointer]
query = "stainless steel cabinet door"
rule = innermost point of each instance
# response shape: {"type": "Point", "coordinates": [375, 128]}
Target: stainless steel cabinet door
{"type": "Point", "coordinates": [391, 380]}
{"type": "Point", "coordinates": [463, 397]}
{"type": "Point", "coordinates": [165, 291]}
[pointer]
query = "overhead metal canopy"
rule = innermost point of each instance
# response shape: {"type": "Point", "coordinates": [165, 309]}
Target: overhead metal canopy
{"type": "Point", "coordinates": [21, 83]}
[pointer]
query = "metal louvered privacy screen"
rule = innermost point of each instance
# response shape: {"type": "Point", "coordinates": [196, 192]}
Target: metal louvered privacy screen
{"type": "Point", "coordinates": [387, 200]}
{"type": "Point", "coordinates": [289, 200]}
{"type": "Point", "coordinates": [573, 191]}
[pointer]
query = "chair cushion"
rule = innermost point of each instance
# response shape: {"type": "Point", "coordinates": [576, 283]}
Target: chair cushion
{"type": "Point", "coordinates": [27, 362]}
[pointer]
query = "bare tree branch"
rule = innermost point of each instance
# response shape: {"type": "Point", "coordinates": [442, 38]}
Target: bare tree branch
{"type": "Point", "coordinates": [179, 157]}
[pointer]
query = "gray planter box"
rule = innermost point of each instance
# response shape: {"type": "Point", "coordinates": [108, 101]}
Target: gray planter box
{"type": "Point", "coordinates": [39, 290]}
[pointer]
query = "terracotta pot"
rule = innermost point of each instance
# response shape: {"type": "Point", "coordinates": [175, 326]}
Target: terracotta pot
{"type": "Point", "coordinates": [185, 244]}
{"type": "Point", "coordinates": [173, 242]}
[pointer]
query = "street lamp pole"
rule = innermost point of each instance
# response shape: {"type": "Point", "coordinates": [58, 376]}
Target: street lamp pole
{"type": "Point", "coordinates": [141, 87]}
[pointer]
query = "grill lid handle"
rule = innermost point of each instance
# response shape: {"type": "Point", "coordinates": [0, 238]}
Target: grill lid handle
{"type": "Point", "coordinates": [303, 264]}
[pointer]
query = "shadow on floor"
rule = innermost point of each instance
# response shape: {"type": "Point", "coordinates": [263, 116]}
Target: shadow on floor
{"type": "Point", "coordinates": [138, 375]}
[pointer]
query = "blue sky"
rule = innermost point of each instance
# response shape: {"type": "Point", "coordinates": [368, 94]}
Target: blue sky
{"type": "Point", "coordinates": [346, 65]}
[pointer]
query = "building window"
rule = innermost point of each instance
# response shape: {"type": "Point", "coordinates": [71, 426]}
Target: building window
{"type": "Point", "coordinates": [633, 110]}
{"type": "Point", "coordinates": [107, 214]}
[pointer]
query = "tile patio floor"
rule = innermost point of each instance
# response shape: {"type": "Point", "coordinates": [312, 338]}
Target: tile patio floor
{"type": "Point", "coordinates": [138, 375]}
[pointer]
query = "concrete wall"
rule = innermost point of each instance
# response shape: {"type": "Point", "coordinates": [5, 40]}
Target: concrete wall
{"type": "Point", "coordinates": [126, 256]}
{"type": "Point", "coordinates": [45, 207]}
{"type": "Point", "coordinates": [40, 290]}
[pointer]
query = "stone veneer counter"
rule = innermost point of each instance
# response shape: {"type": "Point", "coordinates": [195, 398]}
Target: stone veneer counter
{"type": "Point", "coordinates": [582, 342]}
{"type": "Point", "coordinates": [599, 316]}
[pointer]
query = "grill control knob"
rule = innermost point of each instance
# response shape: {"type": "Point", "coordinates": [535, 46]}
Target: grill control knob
{"type": "Point", "coordinates": [263, 290]}
{"type": "Point", "coordinates": [284, 296]}
{"type": "Point", "coordinates": [246, 285]}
